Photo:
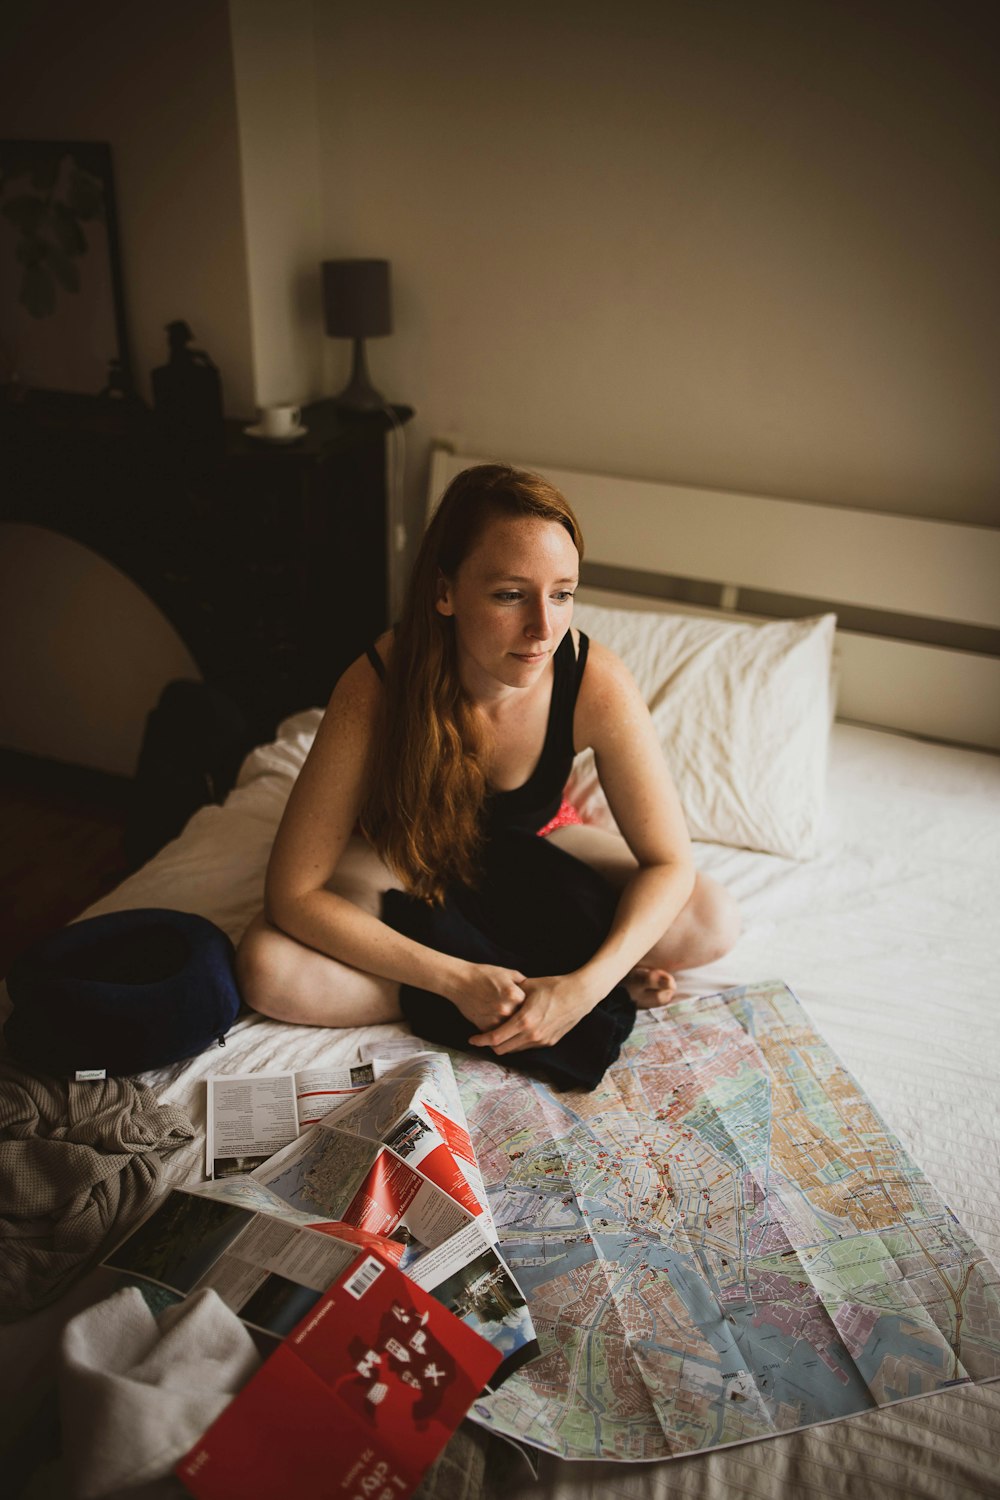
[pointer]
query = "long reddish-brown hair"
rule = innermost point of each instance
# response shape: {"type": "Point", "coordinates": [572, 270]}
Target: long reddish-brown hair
{"type": "Point", "coordinates": [427, 786]}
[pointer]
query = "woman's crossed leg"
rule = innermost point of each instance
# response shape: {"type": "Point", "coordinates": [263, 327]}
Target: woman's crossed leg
{"type": "Point", "coordinates": [282, 978]}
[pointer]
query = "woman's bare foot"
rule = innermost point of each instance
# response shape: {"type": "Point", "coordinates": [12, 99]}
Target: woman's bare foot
{"type": "Point", "coordinates": [651, 987]}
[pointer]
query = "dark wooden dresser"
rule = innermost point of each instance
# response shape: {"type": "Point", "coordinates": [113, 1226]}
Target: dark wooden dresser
{"type": "Point", "coordinates": [269, 560]}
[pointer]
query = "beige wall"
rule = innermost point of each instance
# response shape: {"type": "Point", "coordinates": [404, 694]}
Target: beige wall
{"type": "Point", "coordinates": [745, 246]}
{"type": "Point", "coordinates": [276, 83]}
{"type": "Point", "coordinates": [749, 246]}
{"type": "Point", "coordinates": [156, 81]}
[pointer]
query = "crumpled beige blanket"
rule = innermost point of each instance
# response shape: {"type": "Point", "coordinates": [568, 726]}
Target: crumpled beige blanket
{"type": "Point", "coordinates": [78, 1163]}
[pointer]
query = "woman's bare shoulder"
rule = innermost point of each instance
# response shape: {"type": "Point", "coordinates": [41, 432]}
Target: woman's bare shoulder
{"type": "Point", "coordinates": [354, 701]}
{"type": "Point", "coordinates": [361, 682]}
{"type": "Point", "coordinates": [608, 692]}
{"type": "Point", "coordinates": [605, 671]}
{"type": "Point", "coordinates": [383, 646]}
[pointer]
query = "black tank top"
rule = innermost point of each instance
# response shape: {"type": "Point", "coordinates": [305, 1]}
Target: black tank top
{"type": "Point", "coordinates": [530, 806]}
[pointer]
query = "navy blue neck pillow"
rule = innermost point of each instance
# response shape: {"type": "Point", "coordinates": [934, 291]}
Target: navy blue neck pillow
{"type": "Point", "coordinates": [121, 994]}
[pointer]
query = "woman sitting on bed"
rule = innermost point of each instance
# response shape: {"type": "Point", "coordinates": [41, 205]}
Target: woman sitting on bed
{"type": "Point", "coordinates": [453, 734]}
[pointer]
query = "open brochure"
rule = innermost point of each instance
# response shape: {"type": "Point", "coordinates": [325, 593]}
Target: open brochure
{"type": "Point", "coordinates": [371, 1157]}
{"type": "Point", "coordinates": [395, 1160]}
{"type": "Point", "coordinates": [358, 1401]}
{"type": "Point", "coordinates": [267, 1270]}
{"type": "Point", "coordinates": [252, 1115]}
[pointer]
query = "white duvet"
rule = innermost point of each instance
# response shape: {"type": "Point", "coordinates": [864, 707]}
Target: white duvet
{"type": "Point", "coordinates": [890, 939]}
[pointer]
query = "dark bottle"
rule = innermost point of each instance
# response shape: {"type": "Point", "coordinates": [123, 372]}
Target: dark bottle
{"type": "Point", "coordinates": [187, 392]}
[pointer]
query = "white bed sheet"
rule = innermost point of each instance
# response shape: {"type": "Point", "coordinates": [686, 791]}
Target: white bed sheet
{"type": "Point", "coordinates": [891, 941]}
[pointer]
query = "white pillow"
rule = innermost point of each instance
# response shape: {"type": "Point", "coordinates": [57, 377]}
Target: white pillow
{"type": "Point", "coordinates": [743, 712]}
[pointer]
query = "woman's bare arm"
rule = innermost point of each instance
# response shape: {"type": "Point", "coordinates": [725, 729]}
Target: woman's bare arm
{"type": "Point", "coordinates": [318, 821]}
{"type": "Point", "coordinates": [612, 718]}
{"type": "Point", "coordinates": [644, 803]}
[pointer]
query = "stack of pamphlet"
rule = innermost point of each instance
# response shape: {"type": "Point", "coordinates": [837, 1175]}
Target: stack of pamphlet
{"type": "Point", "coordinates": [374, 1210]}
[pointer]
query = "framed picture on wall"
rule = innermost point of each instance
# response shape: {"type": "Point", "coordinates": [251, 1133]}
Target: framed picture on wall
{"type": "Point", "coordinates": [62, 312]}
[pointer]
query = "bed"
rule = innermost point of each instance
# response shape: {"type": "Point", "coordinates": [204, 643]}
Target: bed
{"type": "Point", "coordinates": [865, 858]}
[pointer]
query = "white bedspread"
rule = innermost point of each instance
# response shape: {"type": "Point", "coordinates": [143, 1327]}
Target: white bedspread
{"type": "Point", "coordinates": [891, 941]}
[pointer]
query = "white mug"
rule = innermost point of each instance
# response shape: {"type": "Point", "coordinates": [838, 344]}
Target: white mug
{"type": "Point", "coordinates": [279, 421]}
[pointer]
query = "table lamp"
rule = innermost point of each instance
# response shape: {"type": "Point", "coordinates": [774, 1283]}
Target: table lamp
{"type": "Point", "coordinates": [357, 306]}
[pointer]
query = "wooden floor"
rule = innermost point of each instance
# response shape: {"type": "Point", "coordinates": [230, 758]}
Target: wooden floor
{"type": "Point", "coordinates": [61, 846]}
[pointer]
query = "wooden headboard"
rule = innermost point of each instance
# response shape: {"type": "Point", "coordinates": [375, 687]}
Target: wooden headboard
{"type": "Point", "coordinates": [917, 601]}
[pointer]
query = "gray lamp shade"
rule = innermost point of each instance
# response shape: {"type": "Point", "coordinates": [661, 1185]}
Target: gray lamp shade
{"type": "Point", "coordinates": [356, 298]}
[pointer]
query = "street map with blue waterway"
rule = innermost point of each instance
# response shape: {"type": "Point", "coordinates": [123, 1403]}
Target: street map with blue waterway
{"type": "Point", "coordinates": [723, 1242]}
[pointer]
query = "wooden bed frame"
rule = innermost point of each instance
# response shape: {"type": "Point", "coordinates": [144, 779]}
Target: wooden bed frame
{"type": "Point", "coordinates": [917, 601]}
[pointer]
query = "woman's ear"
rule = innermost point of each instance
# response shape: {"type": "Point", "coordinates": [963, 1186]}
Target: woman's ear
{"type": "Point", "coordinates": [443, 603]}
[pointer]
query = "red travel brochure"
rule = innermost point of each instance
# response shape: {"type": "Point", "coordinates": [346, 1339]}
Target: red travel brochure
{"type": "Point", "coordinates": [389, 1250]}
{"type": "Point", "coordinates": [357, 1401]}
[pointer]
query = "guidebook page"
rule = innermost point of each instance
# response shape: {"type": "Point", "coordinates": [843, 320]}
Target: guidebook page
{"type": "Point", "coordinates": [267, 1271]}
{"type": "Point", "coordinates": [250, 1116]}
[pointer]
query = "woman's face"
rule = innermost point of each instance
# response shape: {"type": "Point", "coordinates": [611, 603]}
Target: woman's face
{"type": "Point", "coordinates": [512, 601]}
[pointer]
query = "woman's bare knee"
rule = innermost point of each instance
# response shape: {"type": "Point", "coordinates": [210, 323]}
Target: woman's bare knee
{"type": "Point", "coordinates": [704, 930]}
{"type": "Point", "coordinates": [259, 967]}
{"type": "Point", "coordinates": [283, 979]}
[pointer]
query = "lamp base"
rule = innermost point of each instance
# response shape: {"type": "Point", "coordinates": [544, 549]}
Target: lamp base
{"type": "Point", "coordinates": [359, 394]}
